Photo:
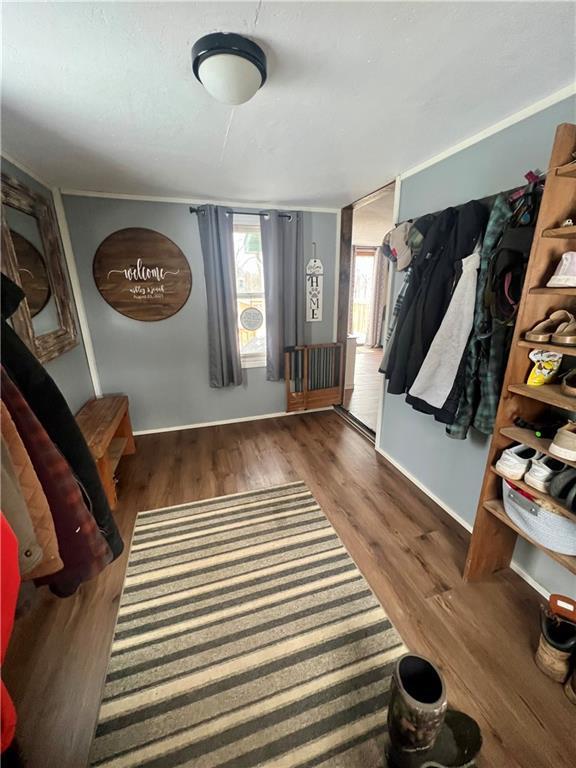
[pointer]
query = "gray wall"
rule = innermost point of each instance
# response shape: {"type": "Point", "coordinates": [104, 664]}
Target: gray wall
{"type": "Point", "coordinates": [453, 469]}
{"type": "Point", "coordinates": [70, 370]}
{"type": "Point", "coordinates": [162, 366]}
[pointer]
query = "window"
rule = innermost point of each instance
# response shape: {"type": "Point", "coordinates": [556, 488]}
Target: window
{"type": "Point", "coordinates": [250, 294]}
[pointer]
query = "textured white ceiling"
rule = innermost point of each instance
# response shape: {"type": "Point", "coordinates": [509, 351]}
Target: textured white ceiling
{"type": "Point", "coordinates": [101, 96]}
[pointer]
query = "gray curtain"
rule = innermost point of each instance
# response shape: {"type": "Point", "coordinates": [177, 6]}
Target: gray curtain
{"type": "Point", "coordinates": [216, 238]}
{"type": "Point", "coordinates": [374, 336]}
{"type": "Point", "coordinates": [284, 287]}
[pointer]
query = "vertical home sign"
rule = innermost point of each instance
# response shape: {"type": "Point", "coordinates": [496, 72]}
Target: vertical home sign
{"type": "Point", "coordinates": [314, 290]}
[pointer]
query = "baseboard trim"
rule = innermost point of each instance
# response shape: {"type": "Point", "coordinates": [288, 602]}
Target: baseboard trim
{"type": "Point", "coordinates": [459, 519]}
{"type": "Point", "coordinates": [199, 425]}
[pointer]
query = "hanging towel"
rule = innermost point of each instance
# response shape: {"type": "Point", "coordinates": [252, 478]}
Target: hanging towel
{"type": "Point", "coordinates": [436, 377]}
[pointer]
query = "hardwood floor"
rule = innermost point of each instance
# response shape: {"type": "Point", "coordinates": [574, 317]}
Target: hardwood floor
{"type": "Point", "coordinates": [363, 401]}
{"type": "Point", "coordinates": [411, 552]}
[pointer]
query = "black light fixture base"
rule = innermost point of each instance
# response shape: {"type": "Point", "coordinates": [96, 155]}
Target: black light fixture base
{"type": "Point", "coordinates": [231, 43]}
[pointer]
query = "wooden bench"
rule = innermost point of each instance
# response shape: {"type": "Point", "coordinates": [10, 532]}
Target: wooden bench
{"type": "Point", "coordinates": [105, 424]}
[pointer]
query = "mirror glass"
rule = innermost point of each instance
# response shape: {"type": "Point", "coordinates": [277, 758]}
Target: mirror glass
{"type": "Point", "coordinates": [32, 270]}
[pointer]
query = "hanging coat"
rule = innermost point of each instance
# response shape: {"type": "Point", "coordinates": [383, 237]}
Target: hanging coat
{"type": "Point", "coordinates": [83, 549]}
{"type": "Point", "coordinates": [410, 338]}
{"type": "Point", "coordinates": [9, 586]}
{"type": "Point", "coordinates": [50, 408]}
{"type": "Point", "coordinates": [34, 498]}
{"type": "Point", "coordinates": [468, 230]}
{"type": "Point", "coordinates": [476, 373]}
{"type": "Point", "coordinates": [439, 370]}
{"type": "Point", "coordinates": [14, 508]}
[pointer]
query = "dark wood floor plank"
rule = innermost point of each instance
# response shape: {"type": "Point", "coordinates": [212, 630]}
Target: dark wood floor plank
{"type": "Point", "coordinates": [410, 551]}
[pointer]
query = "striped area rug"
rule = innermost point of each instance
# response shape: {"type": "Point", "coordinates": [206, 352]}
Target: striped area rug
{"type": "Point", "coordinates": [246, 636]}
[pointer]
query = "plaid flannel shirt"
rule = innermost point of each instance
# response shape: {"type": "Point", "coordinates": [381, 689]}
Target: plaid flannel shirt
{"type": "Point", "coordinates": [83, 548]}
{"type": "Point", "coordinates": [487, 349]}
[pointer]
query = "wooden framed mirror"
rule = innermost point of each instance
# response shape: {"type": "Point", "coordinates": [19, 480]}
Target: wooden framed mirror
{"type": "Point", "coordinates": [32, 257]}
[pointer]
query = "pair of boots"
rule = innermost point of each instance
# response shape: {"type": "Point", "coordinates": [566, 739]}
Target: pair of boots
{"type": "Point", "coordinates": [423, 732]}
{"type": "Point", "coordinates": [556, 654]}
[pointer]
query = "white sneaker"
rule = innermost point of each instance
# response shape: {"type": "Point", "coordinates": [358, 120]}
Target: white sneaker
{"type": "Point", "coordinates": [514, 461]}
{"type": "Point", "coordinates": [542, 472]}
{"type": "Point", "coordinates": [565, 275]}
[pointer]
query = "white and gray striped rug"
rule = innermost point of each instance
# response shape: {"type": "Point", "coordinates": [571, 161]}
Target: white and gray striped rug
{"type": "Point", "coordinates": [246, 636]}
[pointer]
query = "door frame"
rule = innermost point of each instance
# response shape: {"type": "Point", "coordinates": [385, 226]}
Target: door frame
{"type": "Point", "coordinates": [345, 263]}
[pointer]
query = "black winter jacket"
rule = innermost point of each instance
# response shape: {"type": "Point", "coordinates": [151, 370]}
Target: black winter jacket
{"type": "Point", "coordinates": [52, 411]}
{"type": "Point", "coordinates": [452, 237]}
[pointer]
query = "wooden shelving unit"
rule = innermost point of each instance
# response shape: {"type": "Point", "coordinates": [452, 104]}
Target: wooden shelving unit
{"type": "Point", "coordinates": [495, 535]}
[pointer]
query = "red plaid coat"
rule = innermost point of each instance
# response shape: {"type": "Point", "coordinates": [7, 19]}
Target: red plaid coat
{"type": "Point", "coordinates": [83, 549]}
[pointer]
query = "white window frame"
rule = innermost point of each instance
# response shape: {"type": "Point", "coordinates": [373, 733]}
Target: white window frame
{"type": "Point", "coordinates": [250, 359]}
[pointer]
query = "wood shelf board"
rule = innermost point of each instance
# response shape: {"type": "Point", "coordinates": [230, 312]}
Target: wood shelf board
{"type": "Point", "coordinates": [561, 233]}
{"type": "Point", "coordinates": [496, 508]}
{"type": "Point", "coordinates": [494, 534]}
{"type": "Point", "coordinates": [550, 394]}
{"type": "Point", "coordinates": [553, 291]}
{"type": "Point", "coordinates": [527, 437]}
{"type": "Point", "coordinates": [116, 450]}
{"type": "Point", "coordinates": [544, 497]}
{"type": "Point", "coordinates": [562, 349]}
{"type": "Point", "coordinates": [567, 171]}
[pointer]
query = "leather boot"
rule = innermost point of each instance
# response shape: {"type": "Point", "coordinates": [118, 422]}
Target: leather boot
{"type": "Point", "coordinates": [557, 643]}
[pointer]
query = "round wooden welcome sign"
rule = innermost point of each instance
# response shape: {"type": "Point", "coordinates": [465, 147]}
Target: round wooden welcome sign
{"type": "Point", "coordinates": [142, 274]}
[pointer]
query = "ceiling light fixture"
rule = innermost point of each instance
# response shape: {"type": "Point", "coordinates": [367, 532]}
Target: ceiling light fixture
{"type": "Point", "coordinates": [231, 67]}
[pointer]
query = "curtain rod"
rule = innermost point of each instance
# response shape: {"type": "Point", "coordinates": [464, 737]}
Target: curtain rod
{"type": "Point", "coordinates": [245, 213]}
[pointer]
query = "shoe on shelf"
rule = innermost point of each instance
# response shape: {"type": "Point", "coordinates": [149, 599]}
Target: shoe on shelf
{"type": "Point", "coordinates": [542, 471]}
{"type": "Point", "coordinates": [564, 444]}
{"type": "Point", "coordinates": [543, 330]}
{"type": "Point", "coordinates": [568, 385]}
{"type": "Point", "coordinates": [515, 461]}
{"type": "Point", "coordinates": [563, 488]}
{"type": "Point", "coordinates": [565, 334]}
{"type": "Point", "coordinates": [545, 429]}
{"type": "Point", "coordinates": [557, 643]}
{"type": "Point", "coordinates": [565, 274]}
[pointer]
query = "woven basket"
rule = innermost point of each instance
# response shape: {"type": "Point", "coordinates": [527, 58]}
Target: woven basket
{"type": "Point", "coordinates": [551, 529]}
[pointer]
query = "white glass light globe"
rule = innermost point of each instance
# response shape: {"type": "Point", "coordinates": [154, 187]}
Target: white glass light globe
{"type": "Point", "coordinates": [229, 78]}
